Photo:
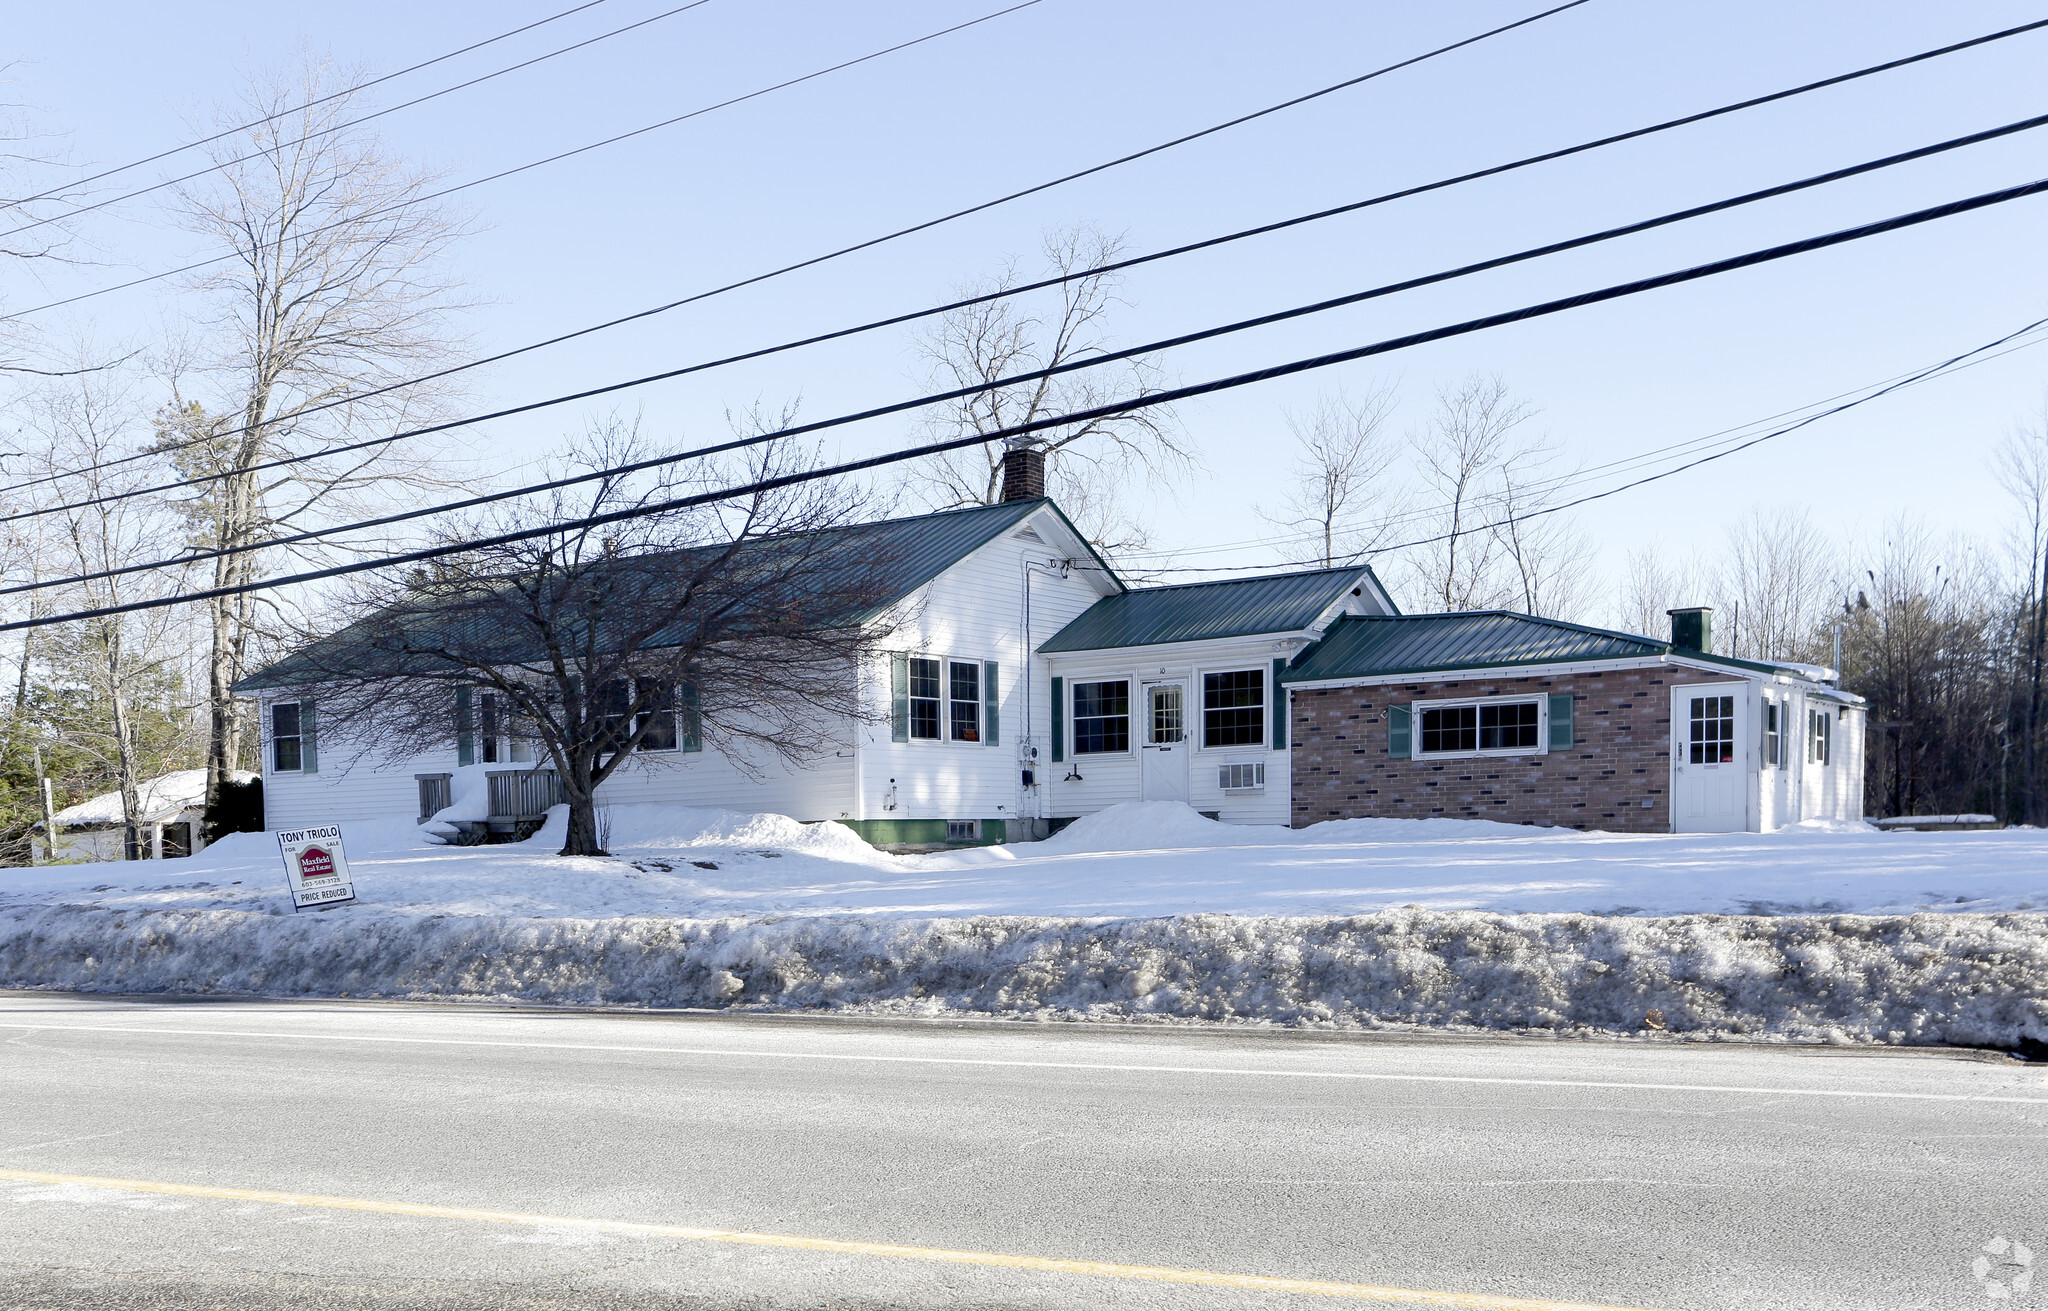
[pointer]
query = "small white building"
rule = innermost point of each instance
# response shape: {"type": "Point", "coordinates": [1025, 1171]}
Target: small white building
{"type": "Point", "coordinates": [172, 810]}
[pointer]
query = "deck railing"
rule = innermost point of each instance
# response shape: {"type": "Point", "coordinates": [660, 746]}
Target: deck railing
{"type": "Point", "coordinates": [524, 793]}
{"type": "Point", "coordinates": [435, 794]}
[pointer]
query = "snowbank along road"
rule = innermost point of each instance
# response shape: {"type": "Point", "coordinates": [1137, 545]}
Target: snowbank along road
{"type": "Point", "coordinates": [384, 1156]}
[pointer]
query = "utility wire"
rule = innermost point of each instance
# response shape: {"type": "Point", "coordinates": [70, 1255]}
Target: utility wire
{"type": "Point", "coordinates": [1086, 362]}
{"type": "Point", "coordinates": [238, 252]}
{"type": "Point", "coordinates": [1097, 271]}
{"type": "Point", "coordinates": [1729, 444]}
{"type": "Point", "coordinates": [1026, 4]}
{"type": "Point", "coordinates": [282, 113]}
{"type": "Point", "coordinates": [354, 122]}
{"type": "Point", "coordinates": [1924, 374]}
{"type": "Point", "coordinates": [1163, 397]}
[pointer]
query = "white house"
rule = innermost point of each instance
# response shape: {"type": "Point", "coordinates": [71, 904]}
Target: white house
{"type": "Point", "coordinates": [171, 808]}
{"type": "Point", "coordinates": [1029, 685]}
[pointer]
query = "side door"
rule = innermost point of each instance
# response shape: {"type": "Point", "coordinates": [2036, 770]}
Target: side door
{"type": "Point", "coordinates": [1162, 742]}
{"type": "Point", "coordinates": [1711, 726]}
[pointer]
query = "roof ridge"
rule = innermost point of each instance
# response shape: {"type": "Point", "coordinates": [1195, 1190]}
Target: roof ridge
{"type": "Point", "coordinates": [1260, 578]}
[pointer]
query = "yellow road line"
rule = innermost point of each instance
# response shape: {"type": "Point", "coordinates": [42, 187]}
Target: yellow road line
{"type": "Point", "coordinates": [1004, 1260]}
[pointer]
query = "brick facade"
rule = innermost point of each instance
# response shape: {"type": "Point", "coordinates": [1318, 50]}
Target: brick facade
{"type": "Point", "coordinates": [1620, 756]}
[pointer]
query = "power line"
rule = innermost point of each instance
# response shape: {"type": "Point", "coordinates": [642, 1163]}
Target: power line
{"type": "Point", "coordinates": [1952, 362]}
{"type": "Point", "coordinates": [238, 252]}
{"type": "Point", "coordinates": [282, 113]}
{"type": "Point", "coordinates": [1097, 271]}
{"type": "Point", "coordinates": [1730, 444]}
{"type": "Point", "coordinates": [1091, 361]}
{"type": "Point", "coordinates": [354, 122]}
{"type": "Point", "coordinates": [1163, 397]}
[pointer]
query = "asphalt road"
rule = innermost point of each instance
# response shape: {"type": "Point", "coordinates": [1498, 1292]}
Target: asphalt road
{"type": "Point", "coordinates": [339, 1155]}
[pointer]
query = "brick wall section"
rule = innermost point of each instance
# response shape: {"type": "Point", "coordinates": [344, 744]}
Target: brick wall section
{"type": "Point", "coordinates": [1620, 757]}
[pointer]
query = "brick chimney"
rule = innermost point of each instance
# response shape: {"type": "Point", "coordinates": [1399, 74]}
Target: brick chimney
{"type": "Point", "coordinates": [1692, 629]}
{"type": "Point", "coordinates": [1023, 470]}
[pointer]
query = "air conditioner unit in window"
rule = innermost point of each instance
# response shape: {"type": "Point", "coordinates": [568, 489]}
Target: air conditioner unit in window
{"type": "Point", "coordinates": [1238, 778]}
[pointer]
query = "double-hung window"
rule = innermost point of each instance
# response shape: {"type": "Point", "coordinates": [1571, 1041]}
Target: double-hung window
{"type": "Point", "coordinates": [1774, 740]}
{"type": "Point", "coordinates": [1481, 728]}
{"type": "Point", "coordinates": [963, 684]}
{"type": "Point", "coordinates": [1234, 708]}
{"type": "Point", "coordinates": [925, 699]}
{"type": "Point", "coordinates": [286, 744]}
{"type": "Point", "coordinates": [1818, 737]}
{"type": "Point", "coordinates": [1102, 716]}
{"type": "Point", "coordinates": [658, 714]}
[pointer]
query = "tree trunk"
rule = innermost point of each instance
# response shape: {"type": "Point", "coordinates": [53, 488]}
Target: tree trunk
{"type": "Point", "coordinates": [124, 745]}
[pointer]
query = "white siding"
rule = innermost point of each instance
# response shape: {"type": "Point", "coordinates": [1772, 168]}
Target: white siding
{"type": "Point", "coordinates": [348, 783]}
{"type": "Point", "coordinates": [972, 611]}
{"type": "Point", "coordinates": [975, 611]}
{"type": "Point", "coordinates": [1107, 778]}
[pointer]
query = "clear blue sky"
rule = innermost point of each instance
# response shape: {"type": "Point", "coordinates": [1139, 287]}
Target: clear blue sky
{"type": "Point", "coordinates": [1066, 84]}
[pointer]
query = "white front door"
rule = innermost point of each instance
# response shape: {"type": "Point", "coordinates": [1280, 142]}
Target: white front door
{"type": "Point", "coordinates": [1163, 744]}
{"type": "Point", "coordinates": [1710, 750]}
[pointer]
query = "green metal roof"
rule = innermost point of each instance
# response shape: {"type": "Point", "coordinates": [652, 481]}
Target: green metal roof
{"type": "Point", "coordinates": [1193, 612]}
{"type": "Point", "coordinates": [1356, 647]}
{"type": "Point", "coordinates": [906, 553]}
{"type": "Point", "coordinates": [1373, 646]}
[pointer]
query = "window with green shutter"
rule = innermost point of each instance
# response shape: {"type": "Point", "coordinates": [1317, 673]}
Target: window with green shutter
{"type": "Point", "coordinates": [1560, 721]}
{"type": "Point", "coordinates": [899, 696]}
{"type": "Point", "coordinates": [1059, 719]}
{"type": "Point", "coordinates": [309, 746]}
{"type": "Point", "coordinates": [1279, 705]}
{"type": "Point", "coordinates": [992, 727]}
{"type": "Point", "coordinates": [465, 729]}
{"type": "Point", "coordinates": [1400, 737]}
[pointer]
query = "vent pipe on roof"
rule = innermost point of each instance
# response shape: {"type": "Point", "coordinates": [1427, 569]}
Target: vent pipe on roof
{"type": "Point", "coordinates": [1692, 628]}
{"type": "Point", "coordinates": [1023, 470]}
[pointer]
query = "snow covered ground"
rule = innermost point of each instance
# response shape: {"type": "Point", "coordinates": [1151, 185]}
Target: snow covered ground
{"type": "Point", "coordinates": [1131, 861]}
{"type": "Point", "coordinates": [1835, 932]}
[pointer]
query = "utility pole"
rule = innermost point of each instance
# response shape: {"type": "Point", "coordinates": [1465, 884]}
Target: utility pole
{"type": "Point", "coordinates": [49, 813]}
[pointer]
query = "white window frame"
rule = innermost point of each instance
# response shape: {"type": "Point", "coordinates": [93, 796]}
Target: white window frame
{"type": "Point", "coordinates": [1135, 712]}
{"type": "Point", "coordinates": [270, 737]}
{"type": "Point", "coordinates": [1198, 693]}
{"type": "Point", "coordinates": [911, 698]}
{"type": "Point", "coordinates": [1540, 700]}
{"type": "Point", "coordinates": [945, 662]}
{"type": "Point", "coordinates": [1772, 752]}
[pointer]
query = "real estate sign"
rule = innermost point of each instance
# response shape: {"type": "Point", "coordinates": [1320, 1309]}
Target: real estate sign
{"type": "Point", "coordinates": [315, 868]}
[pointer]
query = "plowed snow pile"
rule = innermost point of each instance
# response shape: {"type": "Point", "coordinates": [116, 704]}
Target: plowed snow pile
{"type": "Point", "coordinates": [1818, 932]}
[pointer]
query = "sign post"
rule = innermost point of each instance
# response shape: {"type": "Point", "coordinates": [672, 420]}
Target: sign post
{"type": "Point", "coordinates": [315, 868]}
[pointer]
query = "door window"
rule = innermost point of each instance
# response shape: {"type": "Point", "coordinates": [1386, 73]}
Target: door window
{"type": "Point", "coordinates": [1713, 730]}
{"type": "Point", "coordinates": [1168, 714]}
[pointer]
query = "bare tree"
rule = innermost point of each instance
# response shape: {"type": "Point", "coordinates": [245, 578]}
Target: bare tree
{"type": "Point", "coordinates": [334, 290]}
{"type": "Point", "coordinates": [2020, 464]}
{"type": "Point", "coordinates": [1340, 494]}
{"type": "Point", "coordinates": [33, 233]}
{"type": "Point", "coordinates": [1652, 587]}
{"type": "Point", "coordinates": [126, 710]}
{"type": "Point", "coordinates": [741, 626]}
{"type": "Point", "coordinates": [1779, 586]}
{"type": "Point", "coordinates": [1089, 466]}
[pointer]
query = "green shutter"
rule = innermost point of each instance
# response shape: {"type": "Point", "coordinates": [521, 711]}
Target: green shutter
{"type": "Point", "coordinates": [1560, 721]}
{"type": "Point", "coordinates": [692, 724]}
{"type": "Point", "coordinates": [899, 697]}
{"type": "Point", "coordinates": [1279, 706]}
{"type": "Point", "coordinates": [992, 731]}
{"type": "Point", "coordinates": [1059, 719]}
{"type": "Point", "coordinates": [1399, 738]}
{"type": "Point", "coordinates": [465, 737]}
{"type": "Point", "coordinates": [309, 754]}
